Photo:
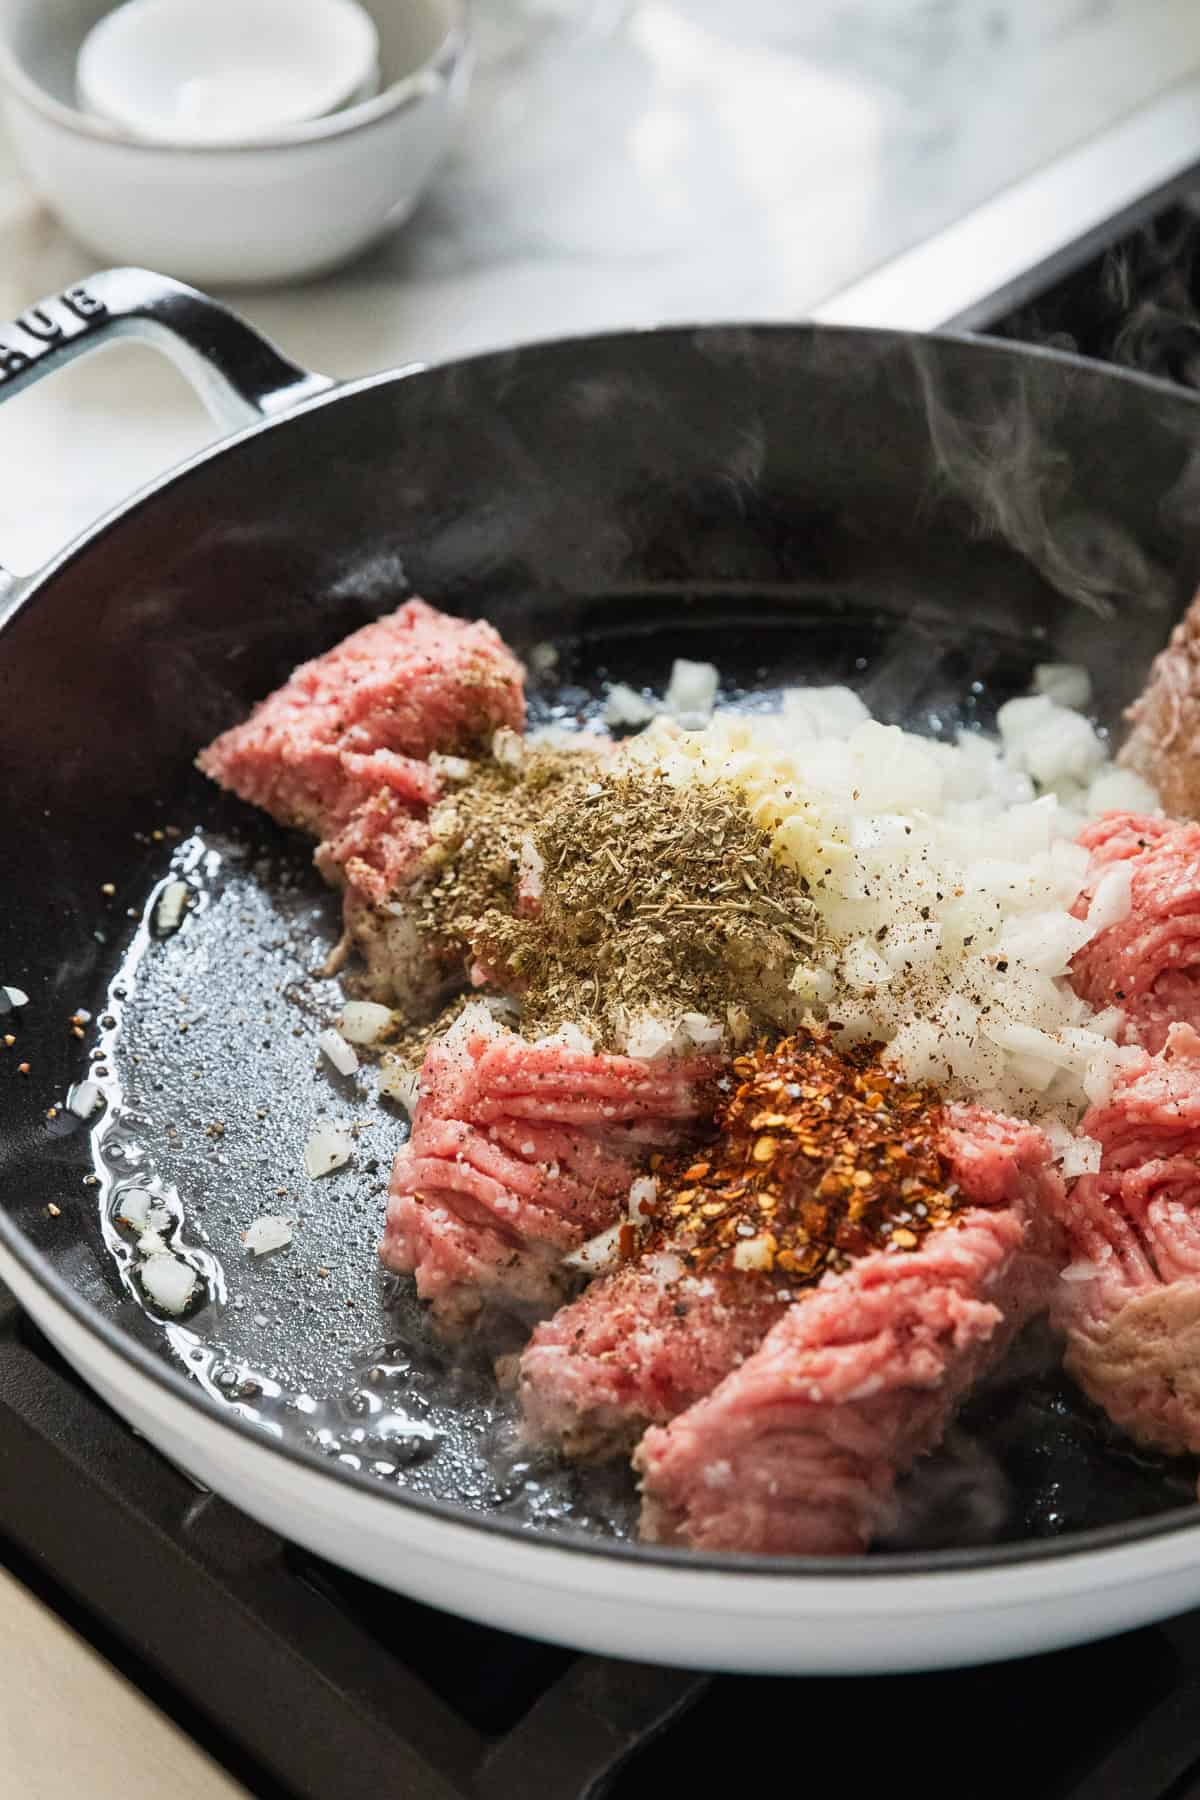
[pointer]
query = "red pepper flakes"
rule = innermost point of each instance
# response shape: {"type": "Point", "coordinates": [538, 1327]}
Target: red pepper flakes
{"type": "Point", "coordinates": [822, 1155]}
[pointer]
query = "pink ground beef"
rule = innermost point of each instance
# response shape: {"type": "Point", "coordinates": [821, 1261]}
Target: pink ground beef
{"type": "Point", "coordinates": [1164, 741]}
{"type": "Point", "coordinates": [1129, 1305]}
{"type": "Point", "coordinates": [797, 1450]}
{"type": "Point", "coordinates": [341, 749]}
{"type": "Point", "coordinates": [639, 1346]}
{"type": "Point", "coordinates": [520, 1153]}
{"type": "Point", "coordinates": [1149, 963]}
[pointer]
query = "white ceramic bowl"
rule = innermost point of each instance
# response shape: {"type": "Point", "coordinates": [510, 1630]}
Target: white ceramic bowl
{"type": "Point", "coordinates": [212, 70]}
{"type": "Point", "coordinates": [296, 204]}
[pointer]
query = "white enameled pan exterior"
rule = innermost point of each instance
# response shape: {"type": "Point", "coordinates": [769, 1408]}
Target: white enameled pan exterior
{"type": "Point", "coordinates": [755, 1622]}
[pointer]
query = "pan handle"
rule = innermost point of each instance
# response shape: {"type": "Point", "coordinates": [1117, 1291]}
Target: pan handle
{"type": "Point", "coordinates": [239, 375]}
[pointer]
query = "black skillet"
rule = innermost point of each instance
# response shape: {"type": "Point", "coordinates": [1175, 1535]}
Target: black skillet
{"type": "Point", "coordinates": [923, 518]}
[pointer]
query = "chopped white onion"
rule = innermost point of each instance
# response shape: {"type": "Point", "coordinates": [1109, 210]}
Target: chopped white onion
{"type": "Point", "coordinates": [1080, 1271]}
{"type": "Point", "coordinates": [824, 712]}
{"type": "Point", "coordinates": [623, 705]}
{"type": "Point", "coordinates": [1048, 741]}
{"type": "Point", "coordinates": [1067, 684]}
{"type": "Point", "coordinates": [531, 868]}
{"type": "Point", "coordinates": [862, 968]}
{"type": "Point", "coordinates": [696, 1031]}
{"type": "Point", "coordinates": [364, 1021]}
{"type": "Point", "coordinates": [266, 1233]}
{"type": "Point", "coordinates": [450, 768]}
{"type": "Point", "coordinates": [599, 1253]}
{"type": "Point", "coordinates": [340, 1053]}
{"type": "Point", "coordinates": [508, 749]}
{"type": "Point", "coordinates": [505, 1009]}
{"type": "Point", "coordinates": [1113, 899]}
{"type": "Point", "coordinates": [133, 1208]}
{"type": "Point", "coordinates": [692, 689]}
{"type": "Point", "coordinates": [17, 996]}
{"type": "Point", "coordinates": [569, 1036]}
{"type": "Point", "coordinates": [643, 1195]}
{"type": "Point", "coordinates": [172, 904]}
{"type": "Point", "coordinates": [327, 1148]}
{"type": "Point", "coordinates": [648, 1037]}
{"type": "Point", "coordinates": [1081, 1157]}
{"type": "Point", "coordinates": [83, 1099]}
{"type": "Point", "coordinates": [1120, 790]}
{"type": "Point", "coordinates": [401, 1084]}
{"type": "Point", "coordinates": [169, 1282]}
{"type": "Point", "coordinates": [753, 1253]}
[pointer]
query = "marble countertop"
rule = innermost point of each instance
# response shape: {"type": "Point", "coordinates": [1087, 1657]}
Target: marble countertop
{"type": "Point", "coordinates": [622, 162]}
{"type": "Point", "coordinates": [625, 162]}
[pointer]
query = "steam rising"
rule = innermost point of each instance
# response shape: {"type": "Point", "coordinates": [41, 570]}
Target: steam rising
{"type": "Point", "coordinates": [1003, 460]}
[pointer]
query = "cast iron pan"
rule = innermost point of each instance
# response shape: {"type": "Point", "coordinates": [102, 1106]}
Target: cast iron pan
{"type": "Point", "coordinates": [924, 519]}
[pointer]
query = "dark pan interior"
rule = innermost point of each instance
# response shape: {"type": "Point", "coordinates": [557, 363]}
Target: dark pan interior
{"type": "Point", "coordinates": [924, 519]}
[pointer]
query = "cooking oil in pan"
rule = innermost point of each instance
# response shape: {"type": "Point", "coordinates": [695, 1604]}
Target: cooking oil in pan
{"type": "Point", "coordinates": [210, 1081]}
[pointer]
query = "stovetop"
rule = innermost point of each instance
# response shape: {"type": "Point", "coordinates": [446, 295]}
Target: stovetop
{"type": "Point", "coordinates": [307, 1682]}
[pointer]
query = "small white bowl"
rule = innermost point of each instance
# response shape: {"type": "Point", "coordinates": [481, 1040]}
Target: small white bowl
{"type": "Point", "coordinates": [209, 71]}
{"type": "Point", "coordinates": [299, 203]}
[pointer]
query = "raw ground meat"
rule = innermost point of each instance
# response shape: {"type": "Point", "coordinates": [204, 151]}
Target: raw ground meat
{"type": "Point", "coordinates": [797, 1450]}
{"type": "Point", "coordinates": [520, 1153]}
{"type": "Point", "coordinates": [637, 1347]}
{"type": "Point", "coordinates": [1129, 1304]}
{"type": "Point", "coordinates": [1149, 963]}
{"type": "Point", "coordinates": [341, 749]}
{"type": "Point", "coordinates": [1164, 744]}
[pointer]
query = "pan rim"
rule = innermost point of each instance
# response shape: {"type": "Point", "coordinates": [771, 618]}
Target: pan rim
{"type": "Point", "coordinates": [1182, 1521]}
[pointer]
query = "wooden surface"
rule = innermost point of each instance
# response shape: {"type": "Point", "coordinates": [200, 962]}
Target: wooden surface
{"type": "Point", "coordinates": [70, 1725]}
